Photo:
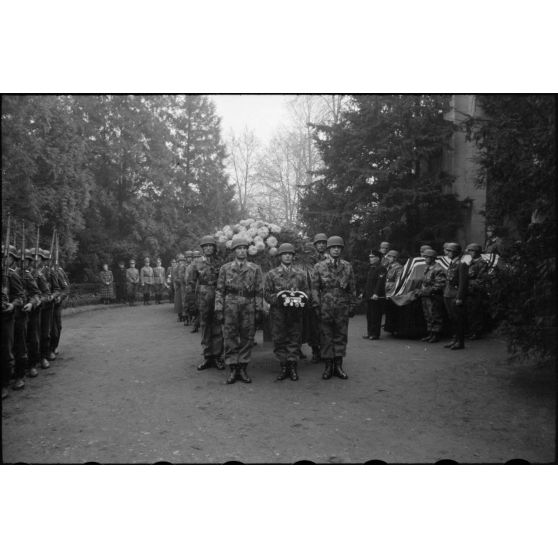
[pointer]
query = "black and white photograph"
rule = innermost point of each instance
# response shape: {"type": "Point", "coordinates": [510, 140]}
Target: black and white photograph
{"type": "Point", "coordinates": [322, 278]}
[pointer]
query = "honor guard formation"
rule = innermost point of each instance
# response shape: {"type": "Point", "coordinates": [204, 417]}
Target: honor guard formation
{"type": "Point", "coordinates": [306, 298]}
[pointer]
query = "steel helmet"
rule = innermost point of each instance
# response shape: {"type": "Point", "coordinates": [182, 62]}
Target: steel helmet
{"type": "Point", "coordinates": [393, 253]}
{"type": "Point", "coordinates": [474, 247]}
{"type": "Point", "coordinates": [196, 253]}
{"type": "Point", "coordinates": [286, 248]}
{"type": "Point", "coordinates": [188, 254]}
{"type": "Point", "coordinates": [453, 247]}
{"type": "Point", "coordinates": [320, 237]}
{"type": "Point", "coordinates": [45, 254]}
{"type": "Point", "coordinates": [425, 247]}
{"type": "Point", "coordinates": [239, 242]}
{"type": "Point", "coordinates": [29, 253]}
{"type": "Point", "coordinates": [430, 253]}
{"type": "Point", "coordinates": [208, 239]}
{"type": "Point", "coordinates": [335, 241]}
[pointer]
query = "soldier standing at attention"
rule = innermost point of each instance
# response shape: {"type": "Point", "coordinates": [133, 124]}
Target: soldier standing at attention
{"type": "Point", "coordinates": [202, 280]}
{"type": "Point", "coordinates": [64, 292]}
{"type": "Point", "coordinates": [286, 321]}
{"type": "Point", "coordinates": [334, 298]}
{"type": "Point", "coordinates": [56, 290]}
{"type": "Point", "coordinates": [132, 280]}
{"type": "Point", "coordinates": [238, 305]}
{"type": "Point", "coordinates": [120, 282]}
{"type": "Point", "coordinates": [169, 280]}
{"type": "Point", "coordinates": [146, 281]}
{"type": "Point", "coordinates": [12, 298]}
{"type": "Point", "coordinates": [455, 292]}
{"type": "Point", "coordinates": [176, 273]}
{"type": "Point", "coordinates": [431, 294]}
{"type": "Point", "coordinates": [49, 295]}
{"type": "Point", "coordinates": [34, 319]}
{"type": "Point", "coordinates": [158, 281]}
{"type": "Point", "coordinates": [375, 295]}
{"type": "Point", "coordinates": [194, 309]}
{"type": "Point", "coordinates": [476, 293]}
{"type": "Point", "coordinates": [186, 297]}
{"type": "Point", "coordinates": [394, 269]}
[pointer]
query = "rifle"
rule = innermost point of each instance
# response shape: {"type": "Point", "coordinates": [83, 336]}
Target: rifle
{"type": "Point", "coordinates": [5, 256]}
{"type": "Point", "coordinates": [37, 248]}
{"type": "Point", "coordinates": [51, 249]}
{"type": "Point", "coordinates": [22, 246]}
{"type": "Point", "coordinates": [56, 250]}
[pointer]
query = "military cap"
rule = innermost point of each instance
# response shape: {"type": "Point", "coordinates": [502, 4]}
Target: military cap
{"type": "Point", "coordinates": [474, 247]}
{"type": "Point", "coordinates": [430, 253]}
{"type": "Point", "coordinates": [335, 241]}
{"type": "Point", "coordinates": [188, 254]}
{"type": "Point", "coordinates": [286, 248]}
{"type": "Point", "coordinates": [208, 239]}
{"type": "Point", "coordinates": [393, 253]}
{"type": "Point", "coordinates": [239, 242]}
{"type": "Point", "coordinates": [375, 253]}
{"type": "Point", "coordinates": [453, 247]}
{"type": "Point", "coordinates": [320, 237]}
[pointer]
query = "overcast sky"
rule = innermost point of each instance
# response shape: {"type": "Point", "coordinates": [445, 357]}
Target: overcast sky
{"type": "Point", "coordinates": [261, 113]}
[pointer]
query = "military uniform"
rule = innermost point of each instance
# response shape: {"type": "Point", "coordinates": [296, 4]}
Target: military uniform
{"type": "Point", "coordinates": [48, 293]}
{"type": "Point", "coordinates": [286, 322]}
{"type": "Point", "coordinates": [393, 273]}
{"type": "Point", "coordinates": [12, 293]}
{"type": "Point", "coordinates": [476, 296]}
{"type": "Point", "coordinates": [202, 280]}
{"type": "Point", "coordinates": [456, 289]}
{"type": "Point", "coordinates": [120, 284]}
{"type": "Point", "coordinates": [334, 299]}
{"type": "Point", "coordinates": [64, 292]}
{"type": "Point", "coordinates": [431, 293]}
{"type": "Point", "coordinates": [177, 276]}
{"type": "Point", "coordinates": [170, 282]}
{"type": "Point", "coordinates": [34, 321]}
{"type": "Point", "coordinates": [158, 282]}
{"type": "Point", "coordinates": [238, 301]}
{"type": "Point", "coordinates": [146, 282]}
{"type": "Point", "coordinates": [375, 308]}
{"type": "Point", "coordinates": [132, 280]}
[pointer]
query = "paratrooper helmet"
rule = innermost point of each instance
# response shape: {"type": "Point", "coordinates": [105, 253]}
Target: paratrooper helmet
{"type": "Point", "coordinates": [286, 248]}
{"type": "Point", "coordinates": [335, 241]}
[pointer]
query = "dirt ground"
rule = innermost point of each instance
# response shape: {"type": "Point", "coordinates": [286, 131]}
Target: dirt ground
{"type": "Point", "coordinates": [125, 389]}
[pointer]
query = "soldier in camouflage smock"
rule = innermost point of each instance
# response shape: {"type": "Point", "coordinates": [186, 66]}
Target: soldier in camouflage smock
{"type": "Point", "coordinates": [476, 293]}
{"type": "Point", "coordinates": [334, 298]}
{"type": "Point", "coordinates": [431, 293]}
{"type": "Point", "coordinates": [34, 317]}
{"type": "Point", "coordinates": [286, 321]}
{"type": "Point", "coordinates": [238, 305]}
{"type": "Point", "coordinates": [202, 280]}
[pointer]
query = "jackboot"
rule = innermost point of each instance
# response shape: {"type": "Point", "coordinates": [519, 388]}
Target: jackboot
{"type": "Point", "coordinates": [337, 368]}
{"type": "Point", "coordinates": [231, 378]}
{"type": "Point", "coordinates": [434, 338]}
{"type": "Point", "coordinates": [284, 373]}
{"type": "Point", "coordinates": [328, 371]}
{"type": "Point", "coordinates": [32, 372]}
{"type": "Point", "coordinates": [45, 363]}
{"type": "Point", "coordinates": [19, 383]}
{"type": "Point", "coordinates": [428, 337]}
{"type": "Point", "coordinates": [292, 367]}
{"type": "Point", "coordinates": [451, 343]}
{"type": "Point", "coordinates": [51, 356]}
{"type": "Point", "coordinates": [243, 376]}
{"type": "Point", "coordinates": [219, 363]}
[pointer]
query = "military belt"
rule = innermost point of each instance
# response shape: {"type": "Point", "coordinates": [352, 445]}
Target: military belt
{"type": "Point", "coordinates": [247, 293]}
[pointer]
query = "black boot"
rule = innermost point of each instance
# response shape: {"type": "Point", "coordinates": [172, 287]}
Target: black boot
{"type": "Point", "coordinates": [219, 363]}
{"type": "Point", "coordinates": [428, 337]}
{"type": "Point", "coordinates": [284, 373]}
{"type": "Point", "coordinates": [337, 368]}
{"type": "Point", "coordinates": [205, 363]}
{"type": "Point", "coordinates": [243, 376]}
{"type": "Point", "coordinates": [328, 371]}
{"type": "Point", "coordinates": [451, 343]}
{"type": "Point", "coordinates": [293, 370]}
{"type": "Point", "coordinates": [315, 355]}
{"type": "Point", "coordinates": [231, 378]}
{"type": "Point", "coordinates": [434, 338]}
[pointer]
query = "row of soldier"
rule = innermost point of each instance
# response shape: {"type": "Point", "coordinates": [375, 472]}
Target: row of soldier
{"type": "Point", "coordinates": [228, 299]}
{"type": "Point", "coordinates": [33, 289]}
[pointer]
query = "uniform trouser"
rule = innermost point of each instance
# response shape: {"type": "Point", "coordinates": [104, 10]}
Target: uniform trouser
{"type": "Point", "coordinates": [7, 349]}
{"type": "Point", "coordinates": [20, 343]}
{"type": "Point", "coordinates": [313, 324]}
{"type": "Point", "coordinates": [211, 335]}
{"type": "Point", "coordinates": [171, 293]}
{"type": "Point", "coordinates": [286, 331]}
{"type": "Point", "coordinates": [374, 312]}
{"type": "Point", "coordinates": [456, 315]}
{"type": "Point", "coordinates": [121, 292]}
{"type": "Point", "coordinates": [333, 337]}
{"type": "Point", "coordinates": [475, 313]}
{"type": "Point", "coordinates": [392, 316]}
{"type": "Point", "coordinates": [178, 298]}
{"type": "Point", "coordinates": [34, 337]}
{"type": "Point", "coordinates": [147, 292]}
{"type": "Point", "coordinates": [46, 326]}
{"type": "Point", "coordinates": [158, 292]}
{"type": "Point", "coordinates": [239, 329]}
{"type": "Point", "coordinates": [433, 310]}
{"type": "Point", "coordinates": [131, 293]}
{"type": "Point", "coordinates": [56, 328]}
